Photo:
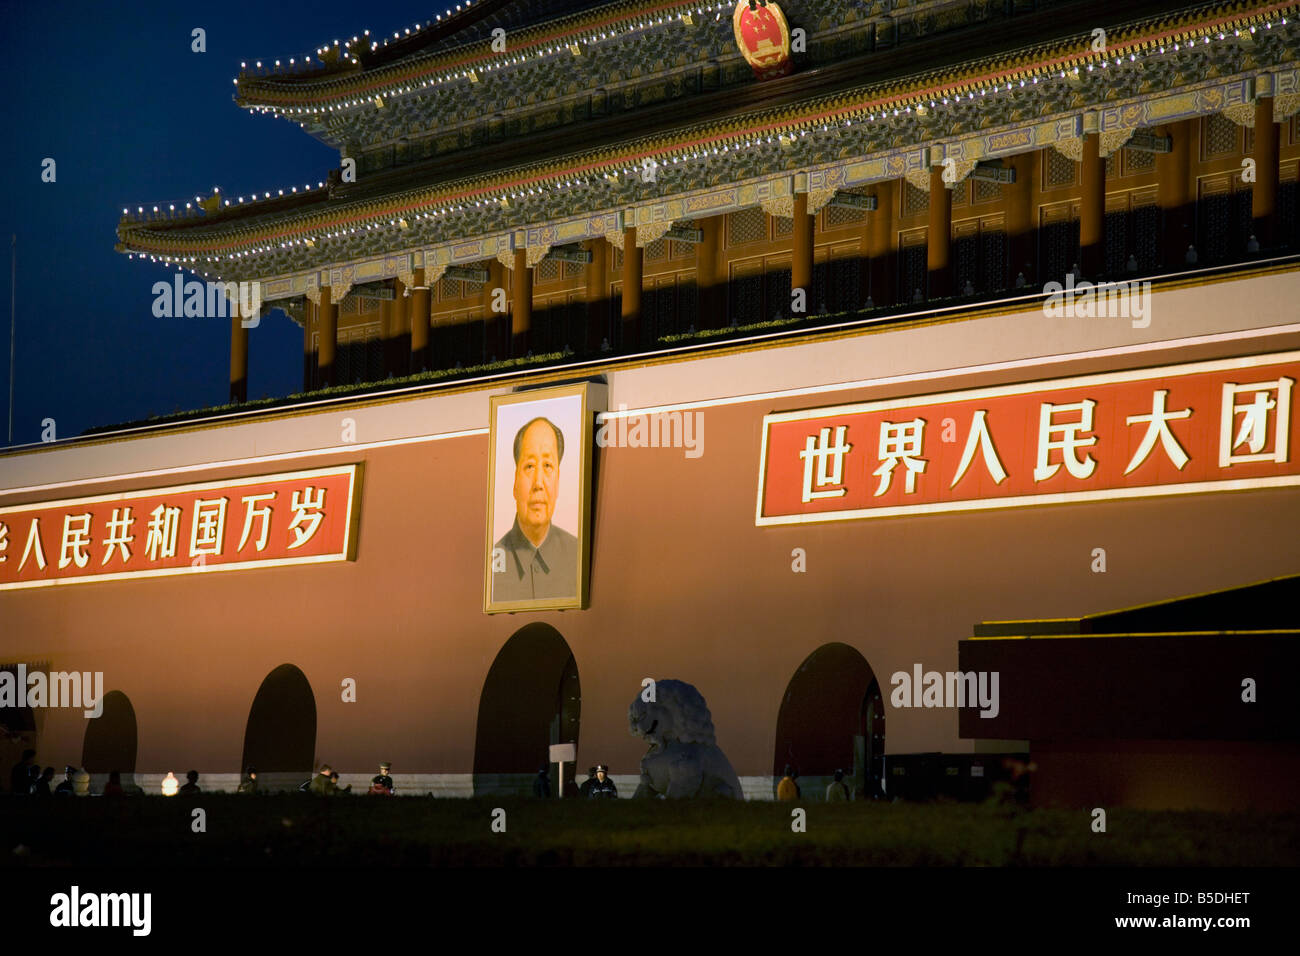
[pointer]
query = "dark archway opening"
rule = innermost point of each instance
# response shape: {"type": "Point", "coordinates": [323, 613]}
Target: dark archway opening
{"type": "Point", "coordinates": [280, 738]}
{"type": "Point", "coordinates": [110, 742]}
{"type": "Point", "coordinates": [532, 698]}
{"type": "Point", "coordinates": [832, 718]}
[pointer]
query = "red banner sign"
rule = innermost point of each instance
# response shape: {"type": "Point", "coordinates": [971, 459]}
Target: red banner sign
{"type": "Point", "coordinates": [1211, 426]}
{"type": "Point", "coordinates": [269, 520]}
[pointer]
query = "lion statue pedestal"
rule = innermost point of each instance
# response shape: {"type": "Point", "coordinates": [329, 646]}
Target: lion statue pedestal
{"type": "Point", "coordinates": [684, 760]}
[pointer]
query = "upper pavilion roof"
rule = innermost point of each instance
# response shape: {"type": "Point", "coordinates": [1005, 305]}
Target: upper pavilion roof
{"type": "Point", "coordinates": [874, 92]}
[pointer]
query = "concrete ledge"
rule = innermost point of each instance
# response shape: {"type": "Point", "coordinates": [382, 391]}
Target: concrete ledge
{"type": "Point", "coordinates": [451, 785]}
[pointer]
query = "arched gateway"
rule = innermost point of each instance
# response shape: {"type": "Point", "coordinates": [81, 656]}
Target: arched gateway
{"type": "Point", "coordinates": [280, 738]}
{"type": "Point", "coordinates": [531, 699]}
{"type": "Point", "coordinates": [832, 718]}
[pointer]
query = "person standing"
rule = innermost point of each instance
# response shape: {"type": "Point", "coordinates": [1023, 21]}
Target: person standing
{"type": "Point", "coordinates": [542, 784]}
{"type": "Point", "coordinates": [381, 784]}
{"type": "Point", "coordinates": [837, 790]}
{"type": "Point", "coordinates": [114, 786]}
{"type": "Point", "coordinates": [191, 786]}
{"type": "Point", "coordinates": [602, 788]}
{"type": "Point", "coordinates": [249, 783]}
{"type": "Point", "coordinates": [787, 789]}
{"type": "Point", "coordinates": [64, 789]}
{"type": "Point", "coordinates": [20, 777]}
{"type": "Point", "coordinates": [41, 783]}
{"type": "Point", "coordinates": [321, 784]}
{"type": "Point", "coordinates": [585, 790]}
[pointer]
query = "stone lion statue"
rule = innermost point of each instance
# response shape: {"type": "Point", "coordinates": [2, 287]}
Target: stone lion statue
{"type": "Point", "coordinates": [683, 760]}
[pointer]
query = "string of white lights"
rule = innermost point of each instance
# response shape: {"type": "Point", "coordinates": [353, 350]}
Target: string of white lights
{"type": "Point", "coordinates": [749, 141]}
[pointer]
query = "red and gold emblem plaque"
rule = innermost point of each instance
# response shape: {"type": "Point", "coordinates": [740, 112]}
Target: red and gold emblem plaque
{"type": "Point", "coordinates": [763, 37]}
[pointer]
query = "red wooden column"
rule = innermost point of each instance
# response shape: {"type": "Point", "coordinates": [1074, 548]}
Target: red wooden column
{"type": "Point", "coordinates": [882, 246]}
{"type": "Point", "coordinates": [402, 323]}
{"type": "Point", "coordinates": [597, 295]}
{"type": "Point", "coordinates": [632, 277]}
{"type": "Point", "coordinates": [308, 353]}
{"type": "Point", "coordinates": [1174, 193]}
{"type": "Point", "coordinates": [522, 318]}
{"type": "Point", "coordinates": [710, 294]}
{"type": "Point", "coordinates": [938, 258]}
{"type": "Point", "coordinates": [1263, 195]}
{"type": "Point", "coordinates": [1092, 208]}
{"type": "Point", "coordinates": [1021, 220]}
{"type": "Point", "coordinates": [419, 309]}
{"type": "Point", "coordinates": [329, 338]}
{"type": "Point", "coordinates": [801, 249]}
{"type": "Point", "coordinates": [496, 323]}
{"type": "Point", "coordinates": [238, 357]}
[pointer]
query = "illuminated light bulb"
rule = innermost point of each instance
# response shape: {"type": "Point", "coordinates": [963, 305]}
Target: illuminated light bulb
{"type": "Point", "coordinates": [170, 785]}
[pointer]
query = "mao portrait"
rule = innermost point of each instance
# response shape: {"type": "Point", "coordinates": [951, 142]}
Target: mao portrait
{"type": "Point", "coordinates": [538, 500]}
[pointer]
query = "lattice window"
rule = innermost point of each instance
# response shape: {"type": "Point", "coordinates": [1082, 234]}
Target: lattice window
{"type": "Point", "coordinates": [1219, 135]}
{"type": "Point", "coordinates": [1059, 170]}
{"type": "Point", "coordinates": [1058, 239]}
{"type": "Point", "coordinates": [782, 227]}
{"type": "Point", "coordinates": [746, 295]}
{"type": "Point", "coordinates": [816, 301]}
{"type": "Point", "coordinates": [746, 225]}
{"type": "Point", "coordinates": [687, 305]}
{"type": "Point", "coordinates": [993, 259]}
{"type": "Point", "coordinates": [911, 265]}
{"type": "Point", "coordinates": [1217, 215]}
{"type": "Point", "coordinates": [1112, 166]}
{"type": "Point", "coordinates": [1139, 161]}
{"type": "Point", "coordinates": [845, 284]}
{"type": "Point", "coordinates": [618, 258]}
{"type": "Point", "coordinates": [1145, 236]}
{"type": "Point", "coordinates": [841, 216]}
{"type": "Point", "coordinates": [1117, 241]}
{"type": "Point", "coordinates": [986, 191]}
{"type": "Point", "coordinates": [573, 269]}
{"type": "Point", "coordinates": [680, 250]}
{"type": "Point", "coordinates": [960, 194]}
{"type": "Point", "coordinates": [449, 289]}
{"type": "Point", "coordinates": [548, 270]}
{"type": "Point", "coordinates": [665, 313]}
{"type": "Point", "coordinates": [1286, 211]}
{"type": "Point", "coordinates": [966, 255]}
{"type": "Point", "coordinates": [778, 292]}
{"type": "Point", "coordinates": [656, 250]}
{"type": "Point", "coordinates": [915, 201]}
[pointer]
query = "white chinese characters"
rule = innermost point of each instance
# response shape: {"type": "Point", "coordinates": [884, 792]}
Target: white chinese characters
{"type": "Point", "coordinates": [1257, 404]}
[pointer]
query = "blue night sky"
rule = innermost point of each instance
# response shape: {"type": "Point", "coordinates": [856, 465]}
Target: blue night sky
{"type": "Point", "coordinates": [133, 117]}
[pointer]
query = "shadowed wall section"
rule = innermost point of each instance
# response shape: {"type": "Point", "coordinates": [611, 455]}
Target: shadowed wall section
{"type": "Point", "coordinates": [110, 742]}
{"type": "Point", "coordinates": [531, 699]}
{"type": "Point", "coordinates": [280, 739]}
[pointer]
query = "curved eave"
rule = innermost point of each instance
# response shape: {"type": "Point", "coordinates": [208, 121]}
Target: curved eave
{"type": "Point", "coordinates": [299, 95]}
{"type": "Point", "coordinates": [184, 240]}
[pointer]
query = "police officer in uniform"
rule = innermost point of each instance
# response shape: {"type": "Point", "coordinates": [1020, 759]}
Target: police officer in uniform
{"type": "Point", "coordinates": [602, 787]}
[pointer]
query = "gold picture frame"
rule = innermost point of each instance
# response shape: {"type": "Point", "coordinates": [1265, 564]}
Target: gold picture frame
{"type": "Point", "coordinates": [520, 571]}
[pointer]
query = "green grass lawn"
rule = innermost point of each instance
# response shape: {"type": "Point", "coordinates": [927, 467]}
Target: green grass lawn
{"type": "Point", "coordinates": [297, 830]}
